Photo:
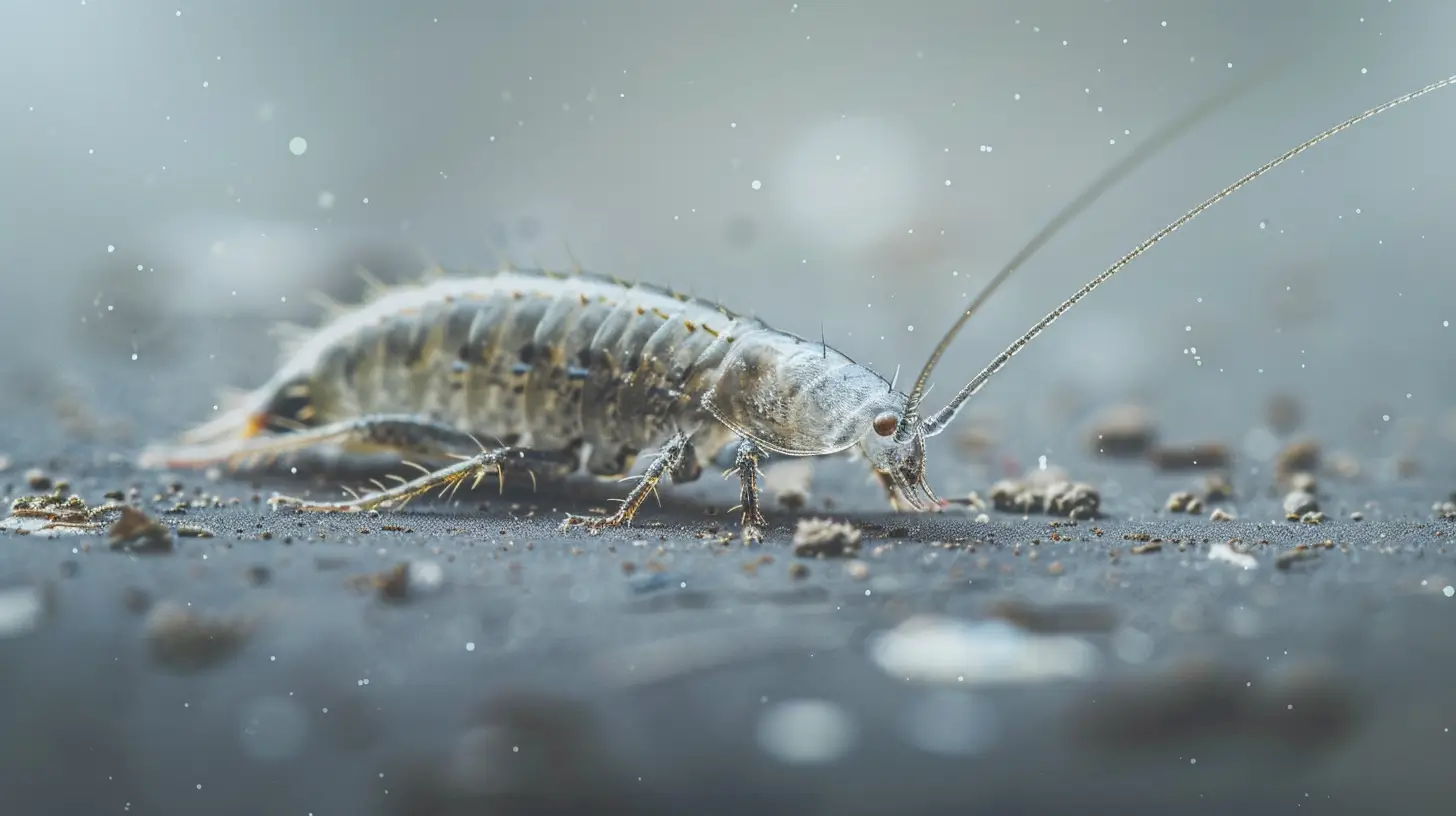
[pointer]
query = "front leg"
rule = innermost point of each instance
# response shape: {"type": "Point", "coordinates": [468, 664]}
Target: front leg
{"type": "Point", "coordinates": [745, 464]}
{"type": "Point", "coordinates": [669, 459]}
{"type": "Point", "coordinates": [896, 504]}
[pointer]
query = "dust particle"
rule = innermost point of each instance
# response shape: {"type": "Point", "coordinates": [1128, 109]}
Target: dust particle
{"type": "Point", "coordinates": [1048, 492]}
{"type": "Point", "coordinates": [1201, 456]}
{"type": "Point", "coordinates": [137, 532]}
{"type": "Point", "coordinates": [1294, 556]}
{"type": "Point", "coordinates": [1284, 414]}
{"type": "Point", "coordinates": [825, 538]}
{"type": "Point", "coordinates": [1299, 457]}
{"type": "Point", "coordinates": [184, 641]}
{"type": "Point", "coordinates": [1217, 487]}
{"type": "Point", "coordinates": [1122, 432]}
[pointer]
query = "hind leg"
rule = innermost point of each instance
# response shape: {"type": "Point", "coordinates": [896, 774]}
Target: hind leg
{"type": "Point", "coordinates": [471, 469]}
{"type": "Point", "coordinates": [669, 460]}
{"type": "Point", "coordinates": [404, 434]}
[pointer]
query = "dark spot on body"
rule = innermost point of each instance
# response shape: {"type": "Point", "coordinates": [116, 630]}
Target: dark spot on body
{"type": "Point", "coordinates": [528, 353]}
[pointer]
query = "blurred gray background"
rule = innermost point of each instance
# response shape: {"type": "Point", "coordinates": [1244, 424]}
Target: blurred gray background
{"type": "Point", "coordinates": [179, 176]}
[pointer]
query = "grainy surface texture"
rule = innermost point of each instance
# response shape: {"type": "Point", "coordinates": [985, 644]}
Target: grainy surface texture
{"type": "Point", "coordinates": [1135, 663]}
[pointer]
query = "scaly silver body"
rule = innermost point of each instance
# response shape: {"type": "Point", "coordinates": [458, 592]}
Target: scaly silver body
{"type": "Point", "coordinates": [552, 361]}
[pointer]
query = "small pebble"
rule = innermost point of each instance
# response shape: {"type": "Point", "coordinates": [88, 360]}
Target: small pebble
{"type": "Point", "coordinates": [1299, 502]}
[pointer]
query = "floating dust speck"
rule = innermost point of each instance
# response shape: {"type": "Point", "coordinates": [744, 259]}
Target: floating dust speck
{"type": "Point", "coordinates": [1146, 548]}
{"type": "Point", "coordinates": [1344, 465]}
{"type": "Point", "coordinates": [798, 571]}
{"type": "Point", "coordinates": [825, 538]}
{"type": "Point", "coordinates": [1356, 515]}
{"type": "Point", "coordinates": [1299, 502]}
{"type": "Point", "coordinates": [139, 533]}
{"type": "Point", "coordinates": [182, 640]}
{"type": "Point", "coordinates": [1284, 413]}
{"type": "Point", "coordinates": [37, 479]}
{"type": "Point", "coordinates": [976, 442]}
{"type": "Point", "coordinates": [136, 601]}
{"type": "Point", "coordinates": [1198, 456]}
{"type": "Point", "coordinates": [857, 570]}
{"type": "Point", "coordinates": [4, 463]}
{"type": "Point", "coordinates": [1047, 492]}
{"type": "Point", "coordinates": [1220, 514]}
{"type": "Point", "coordinates": [1123, 432]}
{"type": "Point", "coordinates": [1225, 552]}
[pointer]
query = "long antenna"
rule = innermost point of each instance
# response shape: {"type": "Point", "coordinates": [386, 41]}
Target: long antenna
{"type": "Point", "coordinates": [936, 423]}
{"type": "Point", "coordinates": [1105, 182]}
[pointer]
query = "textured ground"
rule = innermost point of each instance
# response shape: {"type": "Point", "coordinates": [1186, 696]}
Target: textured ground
{"type": "Point", "coordinates": [955, 666]}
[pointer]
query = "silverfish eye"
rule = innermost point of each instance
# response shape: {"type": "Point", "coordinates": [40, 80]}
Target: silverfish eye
{"type": "Point", "coordinates": [886, 423]}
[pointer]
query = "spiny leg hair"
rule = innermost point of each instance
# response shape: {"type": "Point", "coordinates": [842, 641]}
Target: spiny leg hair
{"type": "Point", "coordinates": [745, 465]}
{"type": "Point", "coordinates": [405, 435]}
{"type": "Point", "coordinates": [669, 458]}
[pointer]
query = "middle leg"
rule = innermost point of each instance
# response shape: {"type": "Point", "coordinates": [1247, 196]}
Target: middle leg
{"type": "Point", "coordinates": [745, 464]}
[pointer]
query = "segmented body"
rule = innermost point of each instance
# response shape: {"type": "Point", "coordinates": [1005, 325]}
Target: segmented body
{"type": "Point", "coordinates": [546, 361]}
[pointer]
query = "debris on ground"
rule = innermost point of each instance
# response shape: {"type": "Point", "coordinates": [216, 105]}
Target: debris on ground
{"type": "Point", "coordinates": [53, 513]}
{"type": "Point", "coordinates": [1298, 554]}
{"type": "Point", "coordinates": [826, 539]}
{"type": "Point", "coordinates": [139, 533]}
{"type": "Point", "coordinates": [1304, 482]}
{"type": "Point", "coordinates": [1220, 514]}
{"type": "Point", "coordinates": [1201, 456]}
{"type": "Point", "coordinates": [1184, 502]}
{"type": "Point", "coordinates": [1225, 552]}
{"type": "Point", "coordinates": [1217, 487]}
{"type": "Point", "coordinates": [1445, 509]}
{"type": "Point", "coordinates": [1122, 432]}
{"type": "Point", "coordinates": [184, 641]}
{"type": "Point", "coordinates": [1299, 457]}
{"type": "Point", "coordinates": [789, 482]}
{"type": "Point", "coordinates": [1049, 492]}
{"type": "Point", "coordinates": [1299, 502]}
